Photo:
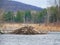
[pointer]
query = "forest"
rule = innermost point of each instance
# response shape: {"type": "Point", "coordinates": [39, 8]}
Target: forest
{"type": "Point", "coordinates": [47, 15]}
{"type": "Point", "coordinates": [31, 16]}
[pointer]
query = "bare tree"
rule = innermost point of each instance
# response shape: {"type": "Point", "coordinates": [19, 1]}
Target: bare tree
{"type": "Point", "coordinates": [48, 14]}
{"type": "Point", "coordinates": [58, 11]}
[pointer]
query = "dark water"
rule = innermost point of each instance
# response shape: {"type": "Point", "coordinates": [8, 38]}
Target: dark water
{"type": "Point", "coordinates": [48, 39]}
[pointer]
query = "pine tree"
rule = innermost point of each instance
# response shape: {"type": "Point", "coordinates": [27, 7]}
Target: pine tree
{"type": "Point", "coordinates": [28, 16]}
{"type": "Point", "coordinates": [19, 16]}
{"type": "Point", "coordinates": [8, 16]}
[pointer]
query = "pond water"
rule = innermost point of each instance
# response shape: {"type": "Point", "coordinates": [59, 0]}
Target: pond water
{"type": "Point", "coordinates": [48, 39]}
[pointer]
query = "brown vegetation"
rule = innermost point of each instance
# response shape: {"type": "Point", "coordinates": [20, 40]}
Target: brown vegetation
{"type": "Point", "coordinates": [15, 28]}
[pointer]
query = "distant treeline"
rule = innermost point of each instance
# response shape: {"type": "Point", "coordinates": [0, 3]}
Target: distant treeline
{"type": "Point", "coordinates": [24, 16]}
{"type": "Point", "coordinates": [31, 16]}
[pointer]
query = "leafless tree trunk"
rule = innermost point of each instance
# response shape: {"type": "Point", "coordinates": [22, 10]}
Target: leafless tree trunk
{"type": "Point", "coordinates": [58, 9]}
{"type": "Point", "coordinates": [1, 15]}
{"type": "Point", "coordinates": [48, 16]}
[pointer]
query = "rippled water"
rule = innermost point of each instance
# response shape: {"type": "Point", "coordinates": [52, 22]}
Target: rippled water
{"type": "Point", "coordinates": [48, 39]}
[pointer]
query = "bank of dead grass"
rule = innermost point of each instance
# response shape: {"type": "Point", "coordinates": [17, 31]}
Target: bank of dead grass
{"type": "Point", "coordinates": [37, 27]}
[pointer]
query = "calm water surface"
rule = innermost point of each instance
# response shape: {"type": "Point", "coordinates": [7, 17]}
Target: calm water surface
{"type": "Point", "coordinates": [48, 39]}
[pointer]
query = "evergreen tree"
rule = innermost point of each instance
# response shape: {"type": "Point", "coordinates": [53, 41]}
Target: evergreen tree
{"type": "Point", "coordinates": [8, 16]}
{"type": "Point", "coordinates": [19, 16]}
{"type": "Point", "coordinates": [41, 15]}
{"type": "Point", "coordinates": [28, 16]}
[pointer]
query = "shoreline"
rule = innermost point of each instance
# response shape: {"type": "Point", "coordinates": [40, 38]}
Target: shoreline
{"type": "Point", "coordinates": [37, 27]}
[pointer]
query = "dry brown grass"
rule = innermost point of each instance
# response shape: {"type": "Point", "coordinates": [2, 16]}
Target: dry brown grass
{"type": "Point", "coordinates": [37, 27]}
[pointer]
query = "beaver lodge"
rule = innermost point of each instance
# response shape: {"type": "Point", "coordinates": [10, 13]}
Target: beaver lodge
{"type": "Point", "coordinates": [26, 30]}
